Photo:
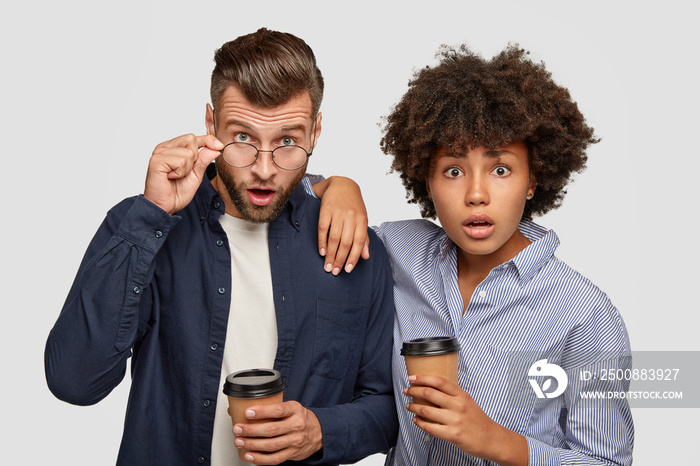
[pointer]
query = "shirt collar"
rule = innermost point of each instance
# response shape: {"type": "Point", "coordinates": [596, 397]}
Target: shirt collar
{"type": "Point", "coordinates": [534, 257]}
{"type": "Point", "coordinates": [527, 263]}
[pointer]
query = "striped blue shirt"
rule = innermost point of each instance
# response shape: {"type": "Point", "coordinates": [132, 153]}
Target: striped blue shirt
{"type": "Point", "coordinates": [531, 308]}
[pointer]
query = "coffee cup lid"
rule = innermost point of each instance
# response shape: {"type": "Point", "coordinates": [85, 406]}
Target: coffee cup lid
{"type": "Point", "coordinates": [432, 346]}
{"type": "Point", "coordinates": [254, 383]}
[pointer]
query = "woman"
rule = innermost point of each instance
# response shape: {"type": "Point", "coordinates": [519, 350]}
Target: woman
{"type": "Point", "coordinates": [485, 145]}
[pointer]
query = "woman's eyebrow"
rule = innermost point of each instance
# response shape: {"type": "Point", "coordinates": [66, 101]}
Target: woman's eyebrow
{"type": "Point", "coordinates": [496, 153]}
{"type": "Point", "coordinates": [492, 153]}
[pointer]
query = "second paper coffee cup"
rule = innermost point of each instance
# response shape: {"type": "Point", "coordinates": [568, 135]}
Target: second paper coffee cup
{"type": "Point", "coordinates": [252, 387]}
{"type": "Point", "coordinates": [432, 356]}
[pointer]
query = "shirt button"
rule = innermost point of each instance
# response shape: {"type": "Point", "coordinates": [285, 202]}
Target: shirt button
{"type": "Point", "coordinates": [159, 234]}
{"type": "Point", "coordinates": [206, 403]}
{"type": "Point", "coordinates": [137, 290]}
{"type": "Point", "coordinates": [426, 438]}
{"type": "Point", "coordinates": [201, 460]}
{"type": "Point", "coordinates": [214, 347]}
{"type": "Point", "coordinates": [482, 293]}
{"type": "Point", "coordinates": [222, 290]}
{"type": "Point", "coordinates": [219, 243]}
{"type": "Point", "coordinates": [297, 223]}
{"type": "Point", "coordinates": [217, 204]}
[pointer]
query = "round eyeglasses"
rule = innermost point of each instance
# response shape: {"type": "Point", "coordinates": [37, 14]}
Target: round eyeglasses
{"type": "Point", "coordinates": [242, 154]}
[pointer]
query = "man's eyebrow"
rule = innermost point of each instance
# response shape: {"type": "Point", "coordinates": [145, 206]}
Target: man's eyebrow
{"type": "Point", "coordinates": [240, 123]}
{"type": "Point", "coordinates": [243, 124]}
{"type": "Point", "coordinates": [297, 127]}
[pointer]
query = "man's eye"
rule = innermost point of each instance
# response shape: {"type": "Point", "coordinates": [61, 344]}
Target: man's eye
{"type": "Point", "coordinates": [241, 137]}
{"type": "Point", "coordinates": [287, 142]}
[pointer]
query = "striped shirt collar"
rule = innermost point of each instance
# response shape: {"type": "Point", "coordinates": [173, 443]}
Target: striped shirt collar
{"type": "Point", "coordinates": [527, 263]}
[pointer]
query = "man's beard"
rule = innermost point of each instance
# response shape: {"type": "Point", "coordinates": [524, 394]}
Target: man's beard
{"type": "Point", "coordinates": [248, 210]}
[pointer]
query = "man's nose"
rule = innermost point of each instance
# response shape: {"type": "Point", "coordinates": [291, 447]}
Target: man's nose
{"type": "Point", "coordinates": [264, 168]}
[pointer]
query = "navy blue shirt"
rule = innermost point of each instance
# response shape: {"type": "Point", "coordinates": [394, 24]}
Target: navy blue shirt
{"type": "Point", "coordinates": [156, 288]}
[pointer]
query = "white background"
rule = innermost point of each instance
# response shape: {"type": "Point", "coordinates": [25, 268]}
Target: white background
{"type": "Point", "coordinates": [89, 88]}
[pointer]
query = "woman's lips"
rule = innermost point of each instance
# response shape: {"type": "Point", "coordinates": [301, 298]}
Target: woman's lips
{"type": "Point", "coordinates": [261, 196]}
{"type": "Point", "coordinates": [478, 227]}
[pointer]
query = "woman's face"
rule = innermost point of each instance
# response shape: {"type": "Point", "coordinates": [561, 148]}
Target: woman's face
{"type": "Point", "coordinates": [479, 197]}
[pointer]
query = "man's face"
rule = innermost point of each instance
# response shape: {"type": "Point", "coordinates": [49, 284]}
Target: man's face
{"type": "Point", "coordinates": [259, 192]}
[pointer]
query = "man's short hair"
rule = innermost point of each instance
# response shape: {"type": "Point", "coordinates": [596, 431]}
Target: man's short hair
{"type": "Point", "coordinates": [269, 67]}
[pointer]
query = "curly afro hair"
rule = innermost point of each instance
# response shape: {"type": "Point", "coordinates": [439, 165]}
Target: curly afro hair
{"type": "Point", "coordinates": [467, 102]}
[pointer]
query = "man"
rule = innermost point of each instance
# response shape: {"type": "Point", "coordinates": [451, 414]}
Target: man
{"type": "Point", "coordinates": [214, 269]}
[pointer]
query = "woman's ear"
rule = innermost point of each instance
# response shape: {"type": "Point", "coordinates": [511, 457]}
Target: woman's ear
{"type": "Point", "coordinates": [531, 188]}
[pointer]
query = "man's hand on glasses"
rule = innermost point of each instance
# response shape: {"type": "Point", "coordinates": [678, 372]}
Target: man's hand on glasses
{"type": "Point", "coordinates": [176, 169]}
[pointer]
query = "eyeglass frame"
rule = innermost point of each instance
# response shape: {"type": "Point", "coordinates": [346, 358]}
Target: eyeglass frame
{"type": "Point", "coordinates": [272, 152]}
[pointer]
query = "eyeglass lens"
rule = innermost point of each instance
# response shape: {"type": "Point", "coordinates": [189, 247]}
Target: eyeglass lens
{"type": "Point", "coordinates": [241, 154]}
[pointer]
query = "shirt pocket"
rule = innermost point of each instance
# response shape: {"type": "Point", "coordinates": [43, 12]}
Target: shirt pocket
{"type": "Point", "coordinates": [498, 379]}
{"type": "Point", "coordinates": [338, 337]}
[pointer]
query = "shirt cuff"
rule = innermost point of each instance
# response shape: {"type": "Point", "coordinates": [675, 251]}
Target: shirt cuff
{"type": "Point", "coordinates": [146, 224]}
{"type": "Point", "coordinates": [335, 437]}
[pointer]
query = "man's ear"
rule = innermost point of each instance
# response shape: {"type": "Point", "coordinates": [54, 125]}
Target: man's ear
{"type": "Point", "coordinates": [427, 188]}
{"type": "Point", "coordinates": [317, 129]}
{"type": "Point", "coordinates": [209, 120]}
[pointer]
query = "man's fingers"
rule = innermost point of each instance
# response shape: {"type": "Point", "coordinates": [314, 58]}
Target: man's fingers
{"type": "Point", "coordinates": [277, 457]}
{"type": "Point", "coordinates": [206, 156]}
{"type": "Point", "coordinates": [264, 444]}
{"type": "Point", "coordinates": [175, 162]}
{"type": "Point", "coordinates": [210, 141]}
{"type": "Point", "coordinates": [178, 156]}
{"type": "Point", "coordinates": [289, 431]}
{"type": "Point", "coordinates": [271, 428]}
{"type": "Point", "coordinates": [271, 411]}
{"type": "Point", "coordinates": [186, 140]}
{"type": "Point", "coordinates": [210, 148]}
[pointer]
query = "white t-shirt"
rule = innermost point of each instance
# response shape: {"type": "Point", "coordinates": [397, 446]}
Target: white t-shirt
{"type": "Point", "coordinates": [251, 336]}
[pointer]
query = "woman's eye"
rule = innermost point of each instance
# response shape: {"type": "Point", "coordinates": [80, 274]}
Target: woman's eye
{"type": "Point", "coordinates": [453, 172]}
{"type": "Point", "coordinates": [501, 171]}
